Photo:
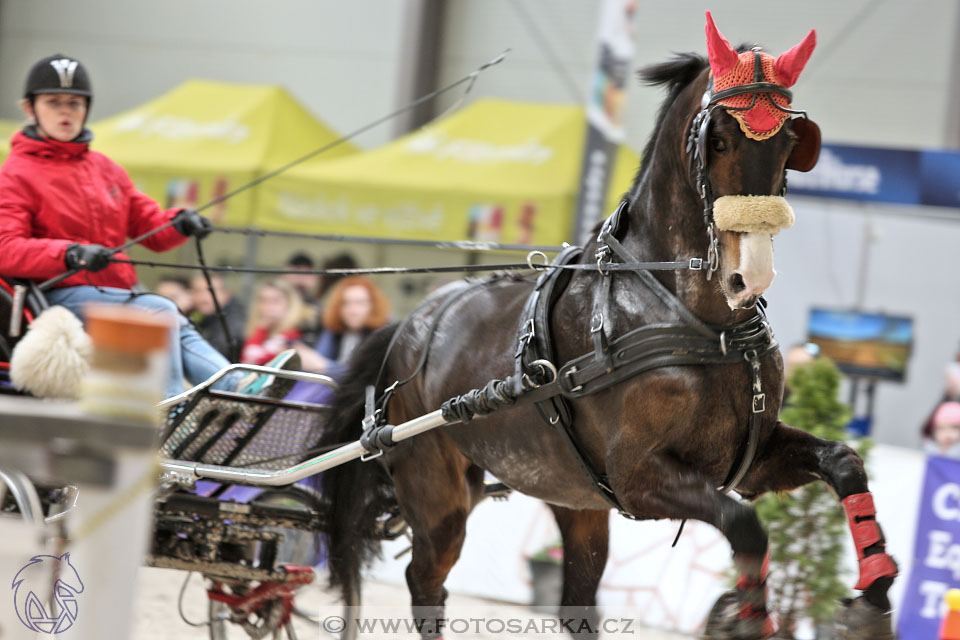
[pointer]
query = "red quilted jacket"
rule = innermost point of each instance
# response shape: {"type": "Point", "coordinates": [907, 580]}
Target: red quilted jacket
{"type": "Point", "coordinates": [54, 194]}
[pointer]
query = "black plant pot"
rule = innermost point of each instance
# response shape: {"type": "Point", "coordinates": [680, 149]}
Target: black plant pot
{"type": "Point", "coordinates": [547, 580]}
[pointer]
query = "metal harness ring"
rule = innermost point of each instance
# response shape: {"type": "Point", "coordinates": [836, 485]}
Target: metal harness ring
{"type": "Point", "coordinates": [537, 266]}
{"type": "Point", "coordinates": [545, 367]}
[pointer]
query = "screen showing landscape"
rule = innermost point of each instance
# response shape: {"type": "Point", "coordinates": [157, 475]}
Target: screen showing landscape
{"type": "Point", "coordinates": [863, 344]}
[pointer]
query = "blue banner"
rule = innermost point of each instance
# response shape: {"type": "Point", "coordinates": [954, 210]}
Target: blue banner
{"type": "Point", "coordinates": [872, 174]}
{"type": "Point", "coordinates": [936, 551]}
{"type": "Point", "coordinates": [940, 178]}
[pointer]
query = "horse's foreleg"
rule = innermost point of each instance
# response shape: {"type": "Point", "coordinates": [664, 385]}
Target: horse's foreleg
{"type": "Point", "coordinates": [793, 458]}
{"type": "Point", "coordinates": [661, 487]}
{"type": "Point", "coordinates": [586, 534]}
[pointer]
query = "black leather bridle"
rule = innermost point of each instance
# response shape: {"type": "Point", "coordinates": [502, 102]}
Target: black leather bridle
{"type": "Point", "coordinates": [698, 138]}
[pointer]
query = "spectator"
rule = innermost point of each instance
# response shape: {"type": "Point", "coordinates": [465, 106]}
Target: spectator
{"type": "Point", "coordinates": [304, 282]}
{"type": "Point", "coordinates": [356, 307]}
{"type": "Point", "coordinates": [339, 261]}
{"type": "Point", "coordinates": [177, 289]}
{"type": "Point", "coordinates": [274, 325]}
{"type": "Point", "coordinates": [797, 355]}
{"type": "Point", "coordinates": [951, 393]}
{"type": "Point", "coordinates": [942, 438]}
{"type": "Point", "coordinates": [205, 314]}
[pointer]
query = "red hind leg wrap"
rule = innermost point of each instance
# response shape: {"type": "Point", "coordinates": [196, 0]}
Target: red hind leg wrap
{"type": "Point", "coordinates": [862, 518]}
{"type": "Point", "coordinates": [752, 591]}
{"type": "Point", "coordinates": [752, 583]}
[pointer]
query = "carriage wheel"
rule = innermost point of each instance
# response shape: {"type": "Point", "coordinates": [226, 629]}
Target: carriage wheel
{"type": "Point", "coordinates": [266, 623]}
{"type": "Point", "coordinates": [298, 548]}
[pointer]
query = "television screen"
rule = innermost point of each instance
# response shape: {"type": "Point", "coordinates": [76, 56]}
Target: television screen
{"type": "Point", "coordinates": [863, 344]}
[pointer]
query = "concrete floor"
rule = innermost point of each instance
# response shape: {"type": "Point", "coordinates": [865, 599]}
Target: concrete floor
{"type": "Point", "coordinates": [471, 618]}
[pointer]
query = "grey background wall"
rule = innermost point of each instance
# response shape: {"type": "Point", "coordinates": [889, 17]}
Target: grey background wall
{"type": "Point", "coordinates": [885, 73]}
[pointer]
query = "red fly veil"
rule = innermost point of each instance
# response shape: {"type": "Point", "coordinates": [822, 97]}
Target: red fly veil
{"type": "Point", "coordinates": [732, 69]}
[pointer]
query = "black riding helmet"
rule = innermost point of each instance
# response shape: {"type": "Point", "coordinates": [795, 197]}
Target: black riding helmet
{"type": "Point", "coordinates": [58, 74]}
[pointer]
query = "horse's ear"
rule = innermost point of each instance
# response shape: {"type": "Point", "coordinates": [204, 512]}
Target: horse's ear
{"type": "Point", "coordinates": [807, 150]}
{"type": "Point", "coordinates": [790, 63]}
{"type": "Point", "coordinates": [723, 56]}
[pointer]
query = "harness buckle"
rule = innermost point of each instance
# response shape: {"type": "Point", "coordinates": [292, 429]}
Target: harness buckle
{"type": "Point", "coordinates": [767, 330]}
{"type": "Point", "coordinates": [723, 342]}
{"type": "Point", "coordinates": [696, 264]}
{"type": "Point", "coordinates": [525, 337]}
{"type": "Point", "coordinates": [759, 402]}
{"type": "Point", "coordinates": [372, 456]}
{"type": "Point", "coordinates": [569, 372]}
{"type": "Point", "coordinates": [603, 257]}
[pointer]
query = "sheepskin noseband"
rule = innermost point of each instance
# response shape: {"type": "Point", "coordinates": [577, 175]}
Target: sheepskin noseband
{"type": "Point", "coordinates": [752, 214]}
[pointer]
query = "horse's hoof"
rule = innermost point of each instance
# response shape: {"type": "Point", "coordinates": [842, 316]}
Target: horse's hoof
{"type": "Point", "coordinates": [724, 622]}
{"type": "Point", "coordinates": [857, 619]}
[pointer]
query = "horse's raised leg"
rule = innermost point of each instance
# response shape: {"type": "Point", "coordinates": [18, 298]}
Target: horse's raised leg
{"type": "Point", "coordinates": [586, 534]}
{"type": "Point", "coordinates": [661, 487]}
{"type": "Point", "coordinates": [436, 489]}
{"type": "Point", "coordinates": [793, 458]}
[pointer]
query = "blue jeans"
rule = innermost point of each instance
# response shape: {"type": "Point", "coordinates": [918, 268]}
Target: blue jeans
{"type": "Point", "coordinates": [191, 357]}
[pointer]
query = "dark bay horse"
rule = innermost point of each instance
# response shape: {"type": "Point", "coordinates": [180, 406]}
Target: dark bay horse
{"type": "Point", "coordinates": [663, 440]}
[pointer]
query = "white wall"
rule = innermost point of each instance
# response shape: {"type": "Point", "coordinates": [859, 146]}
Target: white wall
{"type": "Point", "coordinates": [341, 59]}
{"type": "Point", "coordinates": [880, 74]}
{"type": "Point", "coordinates": [911, 272]}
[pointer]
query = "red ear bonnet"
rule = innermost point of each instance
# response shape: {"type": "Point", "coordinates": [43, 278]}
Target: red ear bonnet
{"type": "Point", "coordinates": [723, 57]}
{"type": "Point", "coordinates": [789, 65]}
{"type": "Point", "coordinates": [732, 69]}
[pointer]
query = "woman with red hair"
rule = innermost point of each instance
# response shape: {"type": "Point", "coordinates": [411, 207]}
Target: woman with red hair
{"type": "Point", "coordinates": [355, 309]}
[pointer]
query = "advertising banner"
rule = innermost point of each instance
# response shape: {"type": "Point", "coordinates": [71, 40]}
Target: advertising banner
{"type": "Point", "coordinates": [606, 99]}
{"type": "Point", "coordinates": [936, 552]}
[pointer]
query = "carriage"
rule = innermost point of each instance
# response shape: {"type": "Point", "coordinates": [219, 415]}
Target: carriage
{"type": "Point", "coordinates": [232, 503]}
{"type": "Point", "coordinates": [253, 537]}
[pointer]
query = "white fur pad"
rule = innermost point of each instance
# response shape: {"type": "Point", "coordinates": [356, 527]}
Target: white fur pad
{"type": "Point", "coordinates": [54, 356]}
{"type": "Point", "coordinates": [752, 214]}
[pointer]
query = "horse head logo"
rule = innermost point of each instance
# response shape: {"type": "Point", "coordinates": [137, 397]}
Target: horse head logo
{"type": "Point", "coordinates": [47, 578]}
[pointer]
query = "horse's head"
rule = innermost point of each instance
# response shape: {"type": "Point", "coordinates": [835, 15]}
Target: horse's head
{"type": "Point", "coordinates": [741, 142]}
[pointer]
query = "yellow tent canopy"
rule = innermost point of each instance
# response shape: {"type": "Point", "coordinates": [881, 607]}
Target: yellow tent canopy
{"type": "Point", "coordinates": [202, 139]}
{"type": "Point", "coordinates": [497, 171]}
{"type": "Point", "coordinates": [7, 129]}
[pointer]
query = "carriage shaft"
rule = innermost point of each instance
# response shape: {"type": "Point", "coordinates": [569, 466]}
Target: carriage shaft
{"type": "Point", "coordinates": [280, 477]}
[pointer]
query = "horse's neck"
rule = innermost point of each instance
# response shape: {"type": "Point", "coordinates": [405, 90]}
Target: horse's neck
{"type": "Point", "coordinates": [665, 225]}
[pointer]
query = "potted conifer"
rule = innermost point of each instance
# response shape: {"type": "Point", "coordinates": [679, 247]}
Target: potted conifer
{"type": "Point", "coordinates": [807, 527]}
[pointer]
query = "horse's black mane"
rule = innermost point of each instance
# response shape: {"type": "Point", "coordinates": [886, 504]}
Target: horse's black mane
{"type": "Point", "coordinates": [674, 74]}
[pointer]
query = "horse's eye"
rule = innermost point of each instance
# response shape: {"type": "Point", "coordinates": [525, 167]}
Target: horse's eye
{"type": "Point", "coordinates": [718, 144]}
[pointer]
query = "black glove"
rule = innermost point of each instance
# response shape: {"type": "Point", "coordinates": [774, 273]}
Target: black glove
{"type": "Point", "coordinates": [190, 223]}
{"type": "Point", "coordinates": [92, 257]}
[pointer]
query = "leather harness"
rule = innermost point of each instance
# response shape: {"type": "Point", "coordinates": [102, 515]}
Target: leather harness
{"type": "Point", "coordinates": [689, 342]}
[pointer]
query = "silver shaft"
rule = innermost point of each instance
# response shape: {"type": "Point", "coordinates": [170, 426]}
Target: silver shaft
{"type": "Point", "coordinates": [328, 460]}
